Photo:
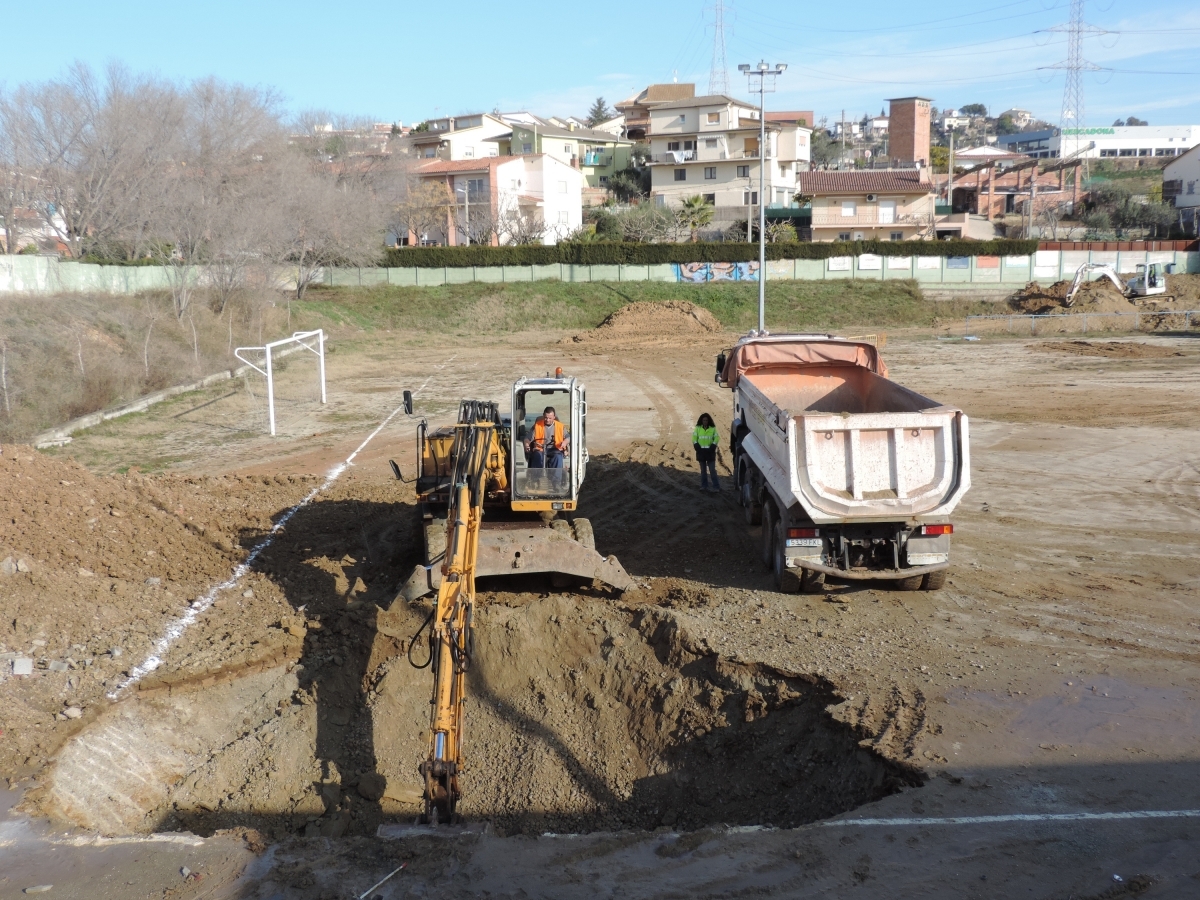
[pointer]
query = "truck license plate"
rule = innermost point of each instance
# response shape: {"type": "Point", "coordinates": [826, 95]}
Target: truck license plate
{"type": "Point", "coordinates": [803, 542]}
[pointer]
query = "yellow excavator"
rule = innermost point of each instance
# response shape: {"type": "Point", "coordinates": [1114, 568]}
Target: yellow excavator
{"type": "Point", "coordinates": [477, 465]}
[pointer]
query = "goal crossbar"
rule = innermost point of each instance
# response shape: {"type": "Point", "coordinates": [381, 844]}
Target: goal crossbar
{"type": "Point", "coordinates": [300, 341]}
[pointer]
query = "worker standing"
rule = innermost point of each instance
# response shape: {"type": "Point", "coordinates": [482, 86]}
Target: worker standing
{"type": "Point", "coordinates": [704, 440]}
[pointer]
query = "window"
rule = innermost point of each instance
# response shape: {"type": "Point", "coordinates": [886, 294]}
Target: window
{"type": "Point", "coordinates": [603, 181]}
{"type": "Point", "coordinates": [683, 118]}
{"type": "Point", "coordinates": [750, 198]}
{"type": "Point", "coordinates": [710, 199]}
{"type": "Point", "coordinates": [1108, 152]}
{"type": "Point", "coordinates": [1145, 152]}
{"type": "Point", "coordinates": [689, 145]}
{"type": "Point", "coordinates": [672, 146]}
{"type": "Point", "coordinates": [897, 235]}
{"type": "Point", "coordinates": [566, 148]}
{"type": "Point", "coordinates": [714, 118]}
{"type": "Point", "coordinates": [710, 173]}
{"type": "Point", "coordinates": [783, 170]}
{"type": "Point", "coordinates": [475, 186]}
{"type": "Point", "coordinates": [562, 217]}
{"type": "Point", "coordinates": [710, 143]}
{"type": "Point", "coordinates": [849, 208]}
{"type": "Point", "coordinates": [1161, 151]}
{"type": "Point", "coordinates": [468, 152]}
{"type": "Point", "coordinates": [527, 148]}
{"type": "Point", "coordinates": [430, 152]}
{"type": "Point", "coordinates": [843, 235]}
{"type": "Point", "coordinates": [1127, 153]}
{"type": "Point", "coordinates": [493, 151]}
{"type": "Point", "coordinates": [1191, 188]}
{"type": "Point", "coordinates": [743, 172]}
{"type": "Point", "coordinates": [681, 174]}
{"type": "Point", "coordinates": [562, 187]}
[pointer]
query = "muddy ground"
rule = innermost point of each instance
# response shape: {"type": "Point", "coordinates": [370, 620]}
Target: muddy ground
{"type": "Point", "coordinates": [701, 735]}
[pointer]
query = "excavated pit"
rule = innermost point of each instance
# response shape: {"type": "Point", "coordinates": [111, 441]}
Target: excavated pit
{"type": "Point", "coordinates": [584, 716]}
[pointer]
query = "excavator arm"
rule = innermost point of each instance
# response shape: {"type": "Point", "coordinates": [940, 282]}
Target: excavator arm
{"type": "Point", "coordinates": [477, 462]}
{"type": "Point", "coordinates": [1104, 269]}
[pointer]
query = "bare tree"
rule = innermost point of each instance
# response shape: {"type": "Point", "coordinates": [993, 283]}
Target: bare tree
{"type": "Point", "coordinates": [515, 225]}
{"type": "Point", "coordinates": [424, 211]}
{"type": "Point", "coordinates": [16, 181]}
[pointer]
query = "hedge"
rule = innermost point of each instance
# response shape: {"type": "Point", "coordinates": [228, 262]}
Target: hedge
{"type": "Point", "coordinates": [655, 254]}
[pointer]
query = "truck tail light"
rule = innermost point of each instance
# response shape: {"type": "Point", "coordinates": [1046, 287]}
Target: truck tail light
{"type": "Point", "coordinates": [935, 530]}
{"type": "Point", "coordinates": [804, 532]}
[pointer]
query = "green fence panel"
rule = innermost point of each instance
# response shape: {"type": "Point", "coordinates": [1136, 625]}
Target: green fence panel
{"type": "Point", "coordinates": [551, 272]}
{"type": "Point", "coordinates": [605, 273]}
{"type": "Point", "coordinates": [516, 273]}
{"type": "Point", "coordinates": [635, 272]}
{"type": "Point", "coordinates": [373, 276]}
{"type": "Point", "coordinates": [402, 277]}
{"type": "Point", "coordinates": [490, 274]}
{"type": "Point", "coordinates": [431, 277]}
{"type": "Point", "coordinates": [460, 276]}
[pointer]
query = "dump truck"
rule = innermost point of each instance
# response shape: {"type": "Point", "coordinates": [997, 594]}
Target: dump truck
{"type": "Point", "coordinates": [530, 524]}
{"type": "Point", "coordinates": [850, 475]}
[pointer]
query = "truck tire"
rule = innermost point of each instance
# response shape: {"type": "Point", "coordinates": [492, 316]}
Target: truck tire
{"type": "Point", "coordinates": [584, 534]}
{"type": "Point", "coordinates": [812, 582]}
{"type": "Point", "coordinates": [909, 584]}
{"type": "Point", "coordinates": [786, 580]}
{"type": "Point", "coordinates": [770, 529]}
{"type": "Point", "coordinates": [750, 509]}
{"type": "Point", "coordinates": [934, 581]}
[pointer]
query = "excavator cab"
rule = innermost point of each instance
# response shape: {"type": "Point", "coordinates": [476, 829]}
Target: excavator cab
{"type": "Point", "coordinates": [555, 485]}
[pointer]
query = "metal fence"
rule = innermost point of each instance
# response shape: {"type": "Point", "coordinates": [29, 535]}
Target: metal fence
{"type": "Point", "coordinates": [1083, 323]}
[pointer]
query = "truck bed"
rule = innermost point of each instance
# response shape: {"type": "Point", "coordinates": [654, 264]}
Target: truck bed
{"type": "Point", "coordinates": [856, 445]}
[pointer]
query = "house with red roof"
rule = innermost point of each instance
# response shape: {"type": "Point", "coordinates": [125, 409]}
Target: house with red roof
{"type": "Point", "coordinates": [875, 204]}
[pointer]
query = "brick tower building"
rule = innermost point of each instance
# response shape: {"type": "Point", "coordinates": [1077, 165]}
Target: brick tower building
{"type": "Point", "coordinates": [908, 129]}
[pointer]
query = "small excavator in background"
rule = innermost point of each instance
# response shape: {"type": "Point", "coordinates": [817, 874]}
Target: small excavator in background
{"type": "Point", "coordinates": [1150, 281]}
{"type": "Point", "coordinates": [479, 465]}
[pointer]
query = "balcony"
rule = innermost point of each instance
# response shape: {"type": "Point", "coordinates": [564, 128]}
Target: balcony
{"type": "Point", "coordinates": [673, 157]}
{"type": "Point", "coordinates": [833, 218]}
{"type": "Point", "coordinates": [596, 159]}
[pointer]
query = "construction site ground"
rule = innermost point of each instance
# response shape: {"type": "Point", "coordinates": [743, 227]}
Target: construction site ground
{"type": "Point", "coordinates": [700, 736]}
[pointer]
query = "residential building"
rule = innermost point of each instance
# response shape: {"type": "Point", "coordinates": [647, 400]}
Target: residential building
{"type": "Point", "coordinates": [852, 130]}
{"type": "Point", "coordinates": [908, 125]}
{"type": "Point", "coordinates": [1019, 117]}
{"type": "Point", "coordinates": [636, 109]}
{"type": "Point", "coordinates": [878, 204]}
{"type": "Point", "coordinates": [1181, 186]}
{"type": "Point", "coordinates": [709, 146]}
{"type": "Point", "coordinates": [875, 126]}
{"type": "Point", "coordinates": [1120, 142]}
{"type": "Point", "coordinates": [951, 119]}
{"type": "Point", "coordinates": [456, 137]}
{"type": "Point", "coordinates": [597, 154]}
{"type": "Point", "coordinates": [496, 196]}
{"type": "Point", "coordinates": [802, 117]}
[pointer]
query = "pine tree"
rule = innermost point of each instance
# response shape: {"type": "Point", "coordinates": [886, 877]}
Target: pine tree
{"type": "Point", "coordinates": [598, 113]}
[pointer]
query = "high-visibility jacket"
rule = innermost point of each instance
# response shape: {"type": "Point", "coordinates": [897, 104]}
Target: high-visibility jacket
{"type": "Point", "coordinates": [705, 437]}
{"type": "Point", "coordinates": [539, 434]}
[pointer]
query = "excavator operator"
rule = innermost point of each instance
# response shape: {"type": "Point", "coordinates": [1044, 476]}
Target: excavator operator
{"type": "Point", "coordinates": [542, 453]}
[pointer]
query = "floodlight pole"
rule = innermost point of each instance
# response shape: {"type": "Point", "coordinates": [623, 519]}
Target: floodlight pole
{"type": "Point", "coordinates": [763, 72]}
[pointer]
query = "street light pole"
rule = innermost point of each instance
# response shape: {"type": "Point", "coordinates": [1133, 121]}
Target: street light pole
{"type": "Point", "coordinates": [765, 84]}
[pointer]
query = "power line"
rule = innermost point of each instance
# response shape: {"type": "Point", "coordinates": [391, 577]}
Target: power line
{"type": "Point", "coordinates": [1071, 121]}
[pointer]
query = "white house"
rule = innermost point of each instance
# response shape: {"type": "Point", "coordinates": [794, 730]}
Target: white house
{"type": "Point", "coordinates": [499, 199]}
{"type": "Point", "coordinates": [1115, 142]}
{"type": "Point", "coordinates": [1181, 180]}
{"type": "Point", "coordinates": [709, 146]}
{"type": "Point", "coordinates": [457, 137]}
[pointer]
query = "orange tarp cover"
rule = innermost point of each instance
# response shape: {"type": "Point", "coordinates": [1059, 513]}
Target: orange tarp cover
{"type": "Point", "coordinates": [787, 354]}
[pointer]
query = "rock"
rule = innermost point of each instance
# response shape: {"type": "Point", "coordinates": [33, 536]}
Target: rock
{"type": "Point", "coordinates": [154, 580]}
{"type": "Point", "coordinates": [86, 573]}
{"type": "Point", "coordinates": [185, 871]}
{"type": "Point", "coordinates": [115, 652]}
{"type": "Point", "coordinates": [22, 665]}
{"type": "Point", "coordinates": [57, 665]}
{"type": "Point", "coordinates": [39, 889]}
{"type": "Point", "coordinates": [73, 712]}
{"type": "Point", "coordinates": [8, 566]}
{"type": "Point", "coordinates": [248, 593]}
{"type": "Point", "coordinates": [372, 786]}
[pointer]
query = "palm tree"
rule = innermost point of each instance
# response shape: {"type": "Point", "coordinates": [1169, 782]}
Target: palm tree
{"type": "Point", "coordinates": [694, 214]}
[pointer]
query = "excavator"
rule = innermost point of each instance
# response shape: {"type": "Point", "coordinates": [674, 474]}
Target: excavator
{"type": "Point", "coordinates": [474, 467]}
{"type": "Point", "coordinates": [1150, 281]}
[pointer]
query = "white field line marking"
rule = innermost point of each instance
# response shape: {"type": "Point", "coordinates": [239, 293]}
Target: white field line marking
{"type": "Point", "coordinates": [1023, 817]}
{"type": "Point", "coordinates": [176, 629]}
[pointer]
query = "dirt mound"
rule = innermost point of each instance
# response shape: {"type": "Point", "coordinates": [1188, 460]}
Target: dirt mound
{"type": "Point", "coordinates": [1185, 289]}
{"type": "Point", "coordinates": [92, 571]}
{"type": "Point", "coordinates": [1109, 349]}
{"type": "Point", "coordinates": [644, 321]}
{"type": "Point", "coordinates": [1093, 297]}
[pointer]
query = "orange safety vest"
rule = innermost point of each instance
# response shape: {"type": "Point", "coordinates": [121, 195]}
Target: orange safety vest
{"type": "Point", "coordinates": [539, 434]}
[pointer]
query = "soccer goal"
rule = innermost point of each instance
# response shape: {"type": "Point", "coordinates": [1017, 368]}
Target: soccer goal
{"type": "Point", "coordinates": [313, 341]}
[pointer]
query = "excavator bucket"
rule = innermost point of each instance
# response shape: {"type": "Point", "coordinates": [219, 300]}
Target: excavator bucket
{"type": "Point", "coordinates": [521, 548]}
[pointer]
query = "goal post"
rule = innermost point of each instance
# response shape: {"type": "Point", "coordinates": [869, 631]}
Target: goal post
{"type": "Point", "coordinates": [312, 341]}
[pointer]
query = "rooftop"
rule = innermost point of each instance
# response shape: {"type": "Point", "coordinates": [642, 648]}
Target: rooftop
{"type": "Point", "coordinates": [879, 181]}
{"type": "Point", "coordinates": [706, 100]}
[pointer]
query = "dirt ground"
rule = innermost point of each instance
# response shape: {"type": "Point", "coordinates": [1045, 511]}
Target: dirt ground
{"type": "Point", "coordinates": [700, 735]}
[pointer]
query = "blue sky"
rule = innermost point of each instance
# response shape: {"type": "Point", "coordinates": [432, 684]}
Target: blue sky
{"type": "Point", "coordinates": [407, 61]}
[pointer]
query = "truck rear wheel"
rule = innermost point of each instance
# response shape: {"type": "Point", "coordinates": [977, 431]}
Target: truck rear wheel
{"type": "Point", "coordinates": [786, 580]}
{"type": "Point", "coordinates": [934, 581]}
{"type": "Point", "coordinates": [770, 529]}
{"type": "Point", "coordinates": [812, 582]}
{"type": "Point", "coordinates": [751, 509]}
{"type": "Point", "coordinates": [909, 584]}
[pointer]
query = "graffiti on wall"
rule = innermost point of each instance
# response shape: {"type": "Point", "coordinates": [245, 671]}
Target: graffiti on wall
{"type": "Point", "coordinates": [701, 273]}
